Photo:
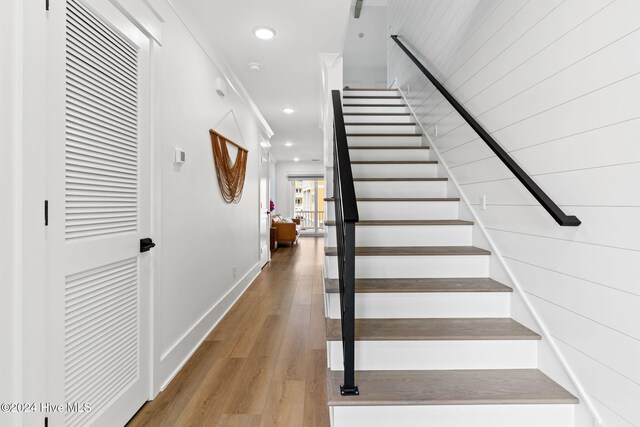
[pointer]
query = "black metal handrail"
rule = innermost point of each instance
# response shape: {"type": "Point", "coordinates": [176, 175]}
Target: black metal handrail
{"type": "Point", "coordinates": [546, 202]}
{"type": "Point", "coordinates": [346, 208]}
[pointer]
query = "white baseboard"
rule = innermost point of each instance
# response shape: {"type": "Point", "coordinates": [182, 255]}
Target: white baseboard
{"type": "Point", "coordinates": [174, 359]}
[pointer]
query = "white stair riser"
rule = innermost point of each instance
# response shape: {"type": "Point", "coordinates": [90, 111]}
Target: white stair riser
{"type": "Point", "coordinates": [382, 129]}
{"type": "Point", "coordinates": [419, 170]}
{"type": "Point", "coordinates": [348, 92]}
{"type": "Point", "coordinates": [400, 141]}
{"type": "Point", "coordinates": [375, 101]}
{"type": "Point", "coordinates": [415, 266]}
{"type": "Point", "coordinates": [437, 355]}
{"type": "Point", "coordinates": [411, 305]}
{"type": "Point", "coordinates": [550, 415]}
{"type": "Point", "coordinates": [402, 210]}
{"type": "Point", "coordinates": [401, 188]}
{"type": "Point", "coordinates": [407, 235]}
{"type": "Point", "coordinates": [391, 154]}
{"type": "Point", "coordinates": [378, 119]}
{"type": "Point", "coordinates": [369, 109]}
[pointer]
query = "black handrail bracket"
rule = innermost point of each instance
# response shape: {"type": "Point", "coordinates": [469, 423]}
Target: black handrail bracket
{"type": "Point", "coordinates": [549, 205]}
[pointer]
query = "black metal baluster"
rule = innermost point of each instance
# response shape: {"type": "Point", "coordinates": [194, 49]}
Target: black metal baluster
{"type": "Point", "coordinates": [346, 212]}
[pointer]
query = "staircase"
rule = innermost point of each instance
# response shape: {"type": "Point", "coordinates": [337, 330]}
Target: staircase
{"type": "Point", "coordinates": [435, 344]}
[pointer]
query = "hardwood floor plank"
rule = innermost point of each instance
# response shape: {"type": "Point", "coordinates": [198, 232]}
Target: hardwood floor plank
{"type": "Point", "coordinates": [286, 406]}
{"type": "Point", "coordinates": [248, 330]}
{"type": "Point", "coordinates": [304, 289]}
{"type": "Point", "coordinates": [293, 350]}
{"type": "Point", "coordinates": [167, 407]}
{"type": "Point", "coordinates": [251, 386]}
{"type": "Point", "coordinates": [239, 420]}
{"type": "Point", "coordinates": [316, 411]}
{"type": "Point", "coordinates": [268, 341]}
{"type": "Point", "coordinates": [317, 330]}
{"type": "Point", "coordinates": [264, 363]}
{"type": "Point", "coordinates": [208, 401]}
{"type": "Point", "coordinates": [318, 286]}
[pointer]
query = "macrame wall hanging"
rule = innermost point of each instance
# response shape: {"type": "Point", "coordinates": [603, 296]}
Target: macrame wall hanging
{"type": "Point", "coordinates": [230, 174]}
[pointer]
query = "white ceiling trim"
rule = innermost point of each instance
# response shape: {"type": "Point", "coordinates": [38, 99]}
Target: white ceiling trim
{"type": "Point", "coordinates": [219, 62]}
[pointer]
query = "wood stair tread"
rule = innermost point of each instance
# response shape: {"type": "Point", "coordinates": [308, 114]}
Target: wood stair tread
{"type": "Point", "coordinates": [405, 222]}
{"type": "Point", "coordinates": [394, 135]}
{"type": "Point", "coordinates": [374, 105]}
{"type": "Point", "coordinates": [376, 114]}
{"type": "Point", "coordinates": [386, 147]}
{"type": "Point", "coordinates": [434, 329]}
{"type": "Point", "coordinates": [394, 162]}
{"type": "Point", "coordinates": [346, 88]}
{"type": "Point", "coordinates": [370, 97]}
{"type": "Point", "coordinates": [403, 199]}
{"type": "Point", "coordinates": [449, 387]}
{"type": "Point", "coordinates": [379, 124]}
{"type": "Point", "coordinates": [448, 284]}
{"type": "Point", "coordinates": [412, 251]}
{"type": "Point", "coordinates": [408, 199]}
{"type": "Point", "coordinates": [398, 179]}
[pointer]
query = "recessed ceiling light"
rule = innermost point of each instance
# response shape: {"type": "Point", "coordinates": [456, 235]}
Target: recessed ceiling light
{"type": "Point", "coordinates": [254, 66]}
{"type": "Point", "coordinates": [296, 159]}
{"type": "Point", "coordinates": [288, 110]}
{"type": "Point", "coordinates": [264, 33]}
{"type": "Point", "coordinates": [288, 144]}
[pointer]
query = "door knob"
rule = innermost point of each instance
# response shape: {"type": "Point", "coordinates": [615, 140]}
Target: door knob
{"type": "Point", "coordinates": [146, 244]}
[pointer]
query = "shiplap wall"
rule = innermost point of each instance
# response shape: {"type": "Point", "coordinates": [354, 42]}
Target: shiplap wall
{"type": "Point", "coordinates": [557, 83]}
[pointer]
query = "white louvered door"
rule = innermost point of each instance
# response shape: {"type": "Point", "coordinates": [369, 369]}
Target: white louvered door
{"type": "Point", "coordinates": [99, 211]}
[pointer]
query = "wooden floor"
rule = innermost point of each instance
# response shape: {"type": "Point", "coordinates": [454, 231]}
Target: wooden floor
{"type": "Point", "coordinates": [265, 362]}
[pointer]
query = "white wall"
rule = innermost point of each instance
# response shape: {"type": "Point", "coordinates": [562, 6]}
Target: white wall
{"type": "Point", "coordinates": [202, 238]}
{"type": "Point", "coordinates": [556, 83]}
{"type": "Point", "coordinates": [365, 58]}
{"type": "Point", "coordinates": [10, 75]}
{"type": "Point", "coordinates": [273, 170]}
{"type": "Point", "coordinates": [283, 192]}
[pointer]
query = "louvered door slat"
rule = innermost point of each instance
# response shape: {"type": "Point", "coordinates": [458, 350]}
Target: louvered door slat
{"type": "Point", "coordinates": [101, 34]}
{"type": "Point", "coordinates": [97, 104]}
{"type": "Point", "coordinates": [101, 72]}
{"type": "Point", "coordinates": [102, 303]}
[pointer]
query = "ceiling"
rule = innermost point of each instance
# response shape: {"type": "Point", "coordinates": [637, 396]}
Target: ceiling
{"type": "Point", "coordinates": [290, 75]}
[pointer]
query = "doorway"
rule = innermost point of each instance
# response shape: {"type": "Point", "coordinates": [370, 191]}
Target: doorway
{"type": "Point", "coordinates": [265, 218]}
{"type": "Point", "coordinates": [98, 186]}
{"type": "Point", "coordinates": [308, 204]}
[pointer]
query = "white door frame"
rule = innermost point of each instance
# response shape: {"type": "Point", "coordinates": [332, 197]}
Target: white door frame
{"type": "Point", "coordinates": [264, 252]}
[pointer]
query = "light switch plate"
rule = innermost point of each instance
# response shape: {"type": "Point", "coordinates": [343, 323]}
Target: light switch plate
{"type": "Point", "coordinates": [179, 156]}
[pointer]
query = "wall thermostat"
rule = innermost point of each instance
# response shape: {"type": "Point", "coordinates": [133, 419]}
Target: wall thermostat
{"type": "Point", "coordinates": [179, 156]}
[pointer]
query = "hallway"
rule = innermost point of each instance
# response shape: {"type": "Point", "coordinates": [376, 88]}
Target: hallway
{"type": "Point", "coordinates": [264, 364]}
